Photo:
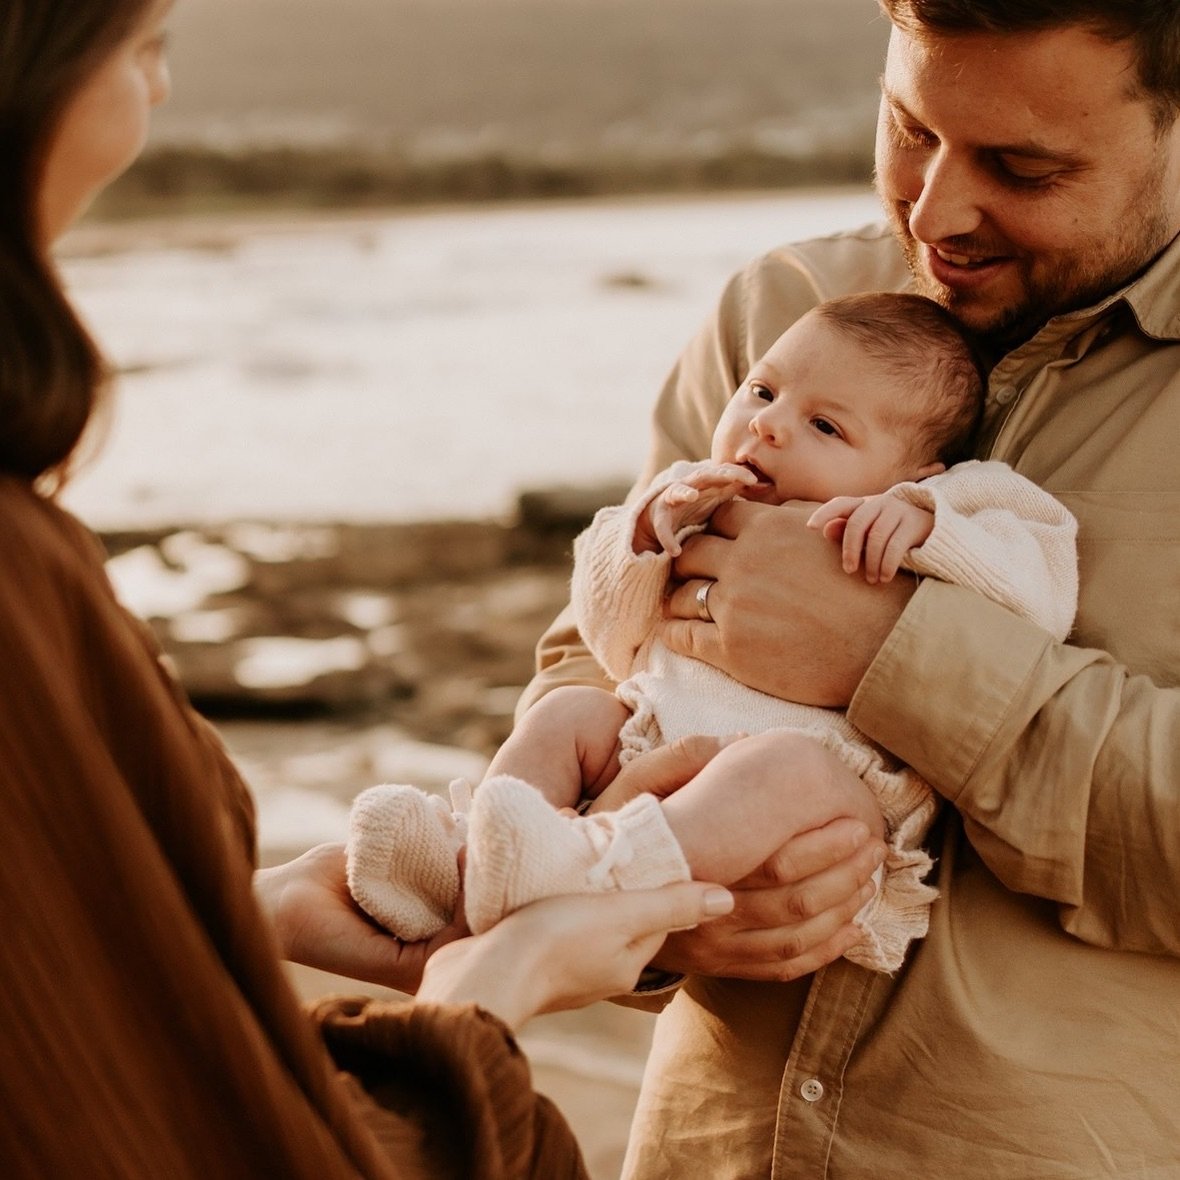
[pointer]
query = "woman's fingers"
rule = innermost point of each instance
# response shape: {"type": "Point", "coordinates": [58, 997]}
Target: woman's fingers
{"type": "Point", "coordinates": [565, 952]}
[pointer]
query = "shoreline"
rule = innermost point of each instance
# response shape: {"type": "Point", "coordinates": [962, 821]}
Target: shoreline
{"type": "Point", "coordinates": [212, 228]}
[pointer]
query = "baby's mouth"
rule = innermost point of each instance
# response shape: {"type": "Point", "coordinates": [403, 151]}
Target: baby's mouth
{"type": "Point", "coordinates": [764, 480]}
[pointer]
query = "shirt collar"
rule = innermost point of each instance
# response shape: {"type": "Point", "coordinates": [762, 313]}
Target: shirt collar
{"type": "Point", "coordinates": [1152, 296]}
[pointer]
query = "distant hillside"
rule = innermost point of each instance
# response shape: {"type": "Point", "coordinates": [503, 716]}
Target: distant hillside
{"type": "Point", "coordinates": [355, 100]}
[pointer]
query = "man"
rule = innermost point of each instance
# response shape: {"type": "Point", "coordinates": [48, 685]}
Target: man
{"type": "Point", "coordinates": [1028, 159]}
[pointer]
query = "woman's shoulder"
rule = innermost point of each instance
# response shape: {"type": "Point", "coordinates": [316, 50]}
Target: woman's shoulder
{"type": "Point", "coordinates": [51, 566]}
{"type": "Point", "coordinates": [34, 529]}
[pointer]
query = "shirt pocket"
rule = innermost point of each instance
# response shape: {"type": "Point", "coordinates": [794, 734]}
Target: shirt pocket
{"type": "Point", "coordinates": [1129, 578]}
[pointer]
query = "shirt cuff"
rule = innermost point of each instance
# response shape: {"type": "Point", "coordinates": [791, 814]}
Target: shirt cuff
{"type": "Point", "coordinates": [653, 982]}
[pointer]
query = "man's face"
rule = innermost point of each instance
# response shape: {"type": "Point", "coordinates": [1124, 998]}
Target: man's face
{"type": "Point", "coordinates": [1023, 175]}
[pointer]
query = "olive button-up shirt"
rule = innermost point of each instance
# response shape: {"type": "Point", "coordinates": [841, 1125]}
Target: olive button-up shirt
{"type": "Point", "coordinates": [1035, 1033]}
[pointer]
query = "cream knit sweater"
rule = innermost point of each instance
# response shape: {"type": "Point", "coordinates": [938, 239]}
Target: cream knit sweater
{"type": "Point", "coordinates": [994, 532]}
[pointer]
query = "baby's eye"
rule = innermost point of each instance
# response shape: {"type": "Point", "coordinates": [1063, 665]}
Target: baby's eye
{"type": "Point", "coordinates": [825, 427]}
{"type": "Point", "coordinates": [762, 392]}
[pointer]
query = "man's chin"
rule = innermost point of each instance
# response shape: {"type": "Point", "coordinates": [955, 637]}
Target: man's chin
{"type": "Point", "coordinates": [989, 319]}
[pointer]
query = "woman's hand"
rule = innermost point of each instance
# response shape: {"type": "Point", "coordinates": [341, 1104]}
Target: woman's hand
{"type": "Point", "coordinates": [319, 925]}
{"type": "Point", "coordinates": [566, 952]}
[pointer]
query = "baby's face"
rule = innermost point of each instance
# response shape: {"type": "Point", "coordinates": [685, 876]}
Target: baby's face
{"type": "Point", "coordinates": [818, 418]}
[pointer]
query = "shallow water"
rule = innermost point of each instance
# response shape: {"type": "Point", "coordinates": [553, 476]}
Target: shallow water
{"type": "Point", "coordinates": [408, 365]}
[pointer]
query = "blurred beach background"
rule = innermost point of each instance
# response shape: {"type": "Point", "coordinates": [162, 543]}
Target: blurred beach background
{"type": "Point", "coordinates": [390, 297]}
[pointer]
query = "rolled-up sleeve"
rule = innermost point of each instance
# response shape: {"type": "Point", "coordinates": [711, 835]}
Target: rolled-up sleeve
{"type": "Point", "coordinates": [1064, 765]}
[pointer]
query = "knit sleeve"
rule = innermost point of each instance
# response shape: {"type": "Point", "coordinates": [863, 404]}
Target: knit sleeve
{"type": "Point", "coordinates": [618, 594]}
{"type": "Point", "coordinates": [447, 1091]}
{"type": "Point", "coordinates": [999, 534]}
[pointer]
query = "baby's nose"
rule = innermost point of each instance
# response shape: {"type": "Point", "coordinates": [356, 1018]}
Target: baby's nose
{"type": "Point", "coordinates": [767, 426]}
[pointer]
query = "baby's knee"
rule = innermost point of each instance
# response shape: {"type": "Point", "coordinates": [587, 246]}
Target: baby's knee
{"type": "Point", "coordinates": [769, 754]}
{"type": "Point", "coordinates": [575, 702]}
{"type": "Point", "coordinates": [783, 759]}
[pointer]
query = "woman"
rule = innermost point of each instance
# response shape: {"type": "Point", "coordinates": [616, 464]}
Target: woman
{"type": "Point", "coordinates": [149, 1029]}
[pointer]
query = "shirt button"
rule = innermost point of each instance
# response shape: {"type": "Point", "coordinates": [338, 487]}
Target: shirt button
{"type": "Point", "coordinates": [812, 1089]}
{"type": "Point", "coordinates": [1005, 395]}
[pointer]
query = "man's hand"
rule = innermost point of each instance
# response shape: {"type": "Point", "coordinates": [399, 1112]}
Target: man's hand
{"type": "Point", "coordinates": [661, 771]}
{"type": "Point", "coordinates": [786, 619]}
{"type": "Point", "coordinates": [790, 918]}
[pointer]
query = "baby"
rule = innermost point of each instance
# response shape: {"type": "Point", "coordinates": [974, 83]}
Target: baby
{"type": "Point", "coordinates": [861, 405]}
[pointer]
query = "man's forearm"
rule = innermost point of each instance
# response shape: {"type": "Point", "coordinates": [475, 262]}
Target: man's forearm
{"type": "Point", "coordinates": [1063, 766]}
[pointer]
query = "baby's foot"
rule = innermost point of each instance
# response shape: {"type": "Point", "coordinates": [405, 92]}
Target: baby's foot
{"type": "Point", "coordinates": [520, 848]}
{"type": "Point", "coordinates": [402, 858]}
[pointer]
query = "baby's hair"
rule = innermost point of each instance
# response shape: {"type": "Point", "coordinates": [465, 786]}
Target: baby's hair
{"type": "Point", "coordinates": [930, 350]}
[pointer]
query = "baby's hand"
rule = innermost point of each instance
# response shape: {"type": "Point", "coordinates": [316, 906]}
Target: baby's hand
{"type": "Point", "coordinates": [689, 501]}
{"type": "Point", "coordinates": [882, 528]}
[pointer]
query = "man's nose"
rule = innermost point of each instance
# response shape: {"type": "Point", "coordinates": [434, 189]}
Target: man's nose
{"type": "Point", "coordinates": [946, 201]}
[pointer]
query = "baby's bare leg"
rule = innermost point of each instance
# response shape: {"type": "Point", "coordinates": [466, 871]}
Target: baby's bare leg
{"type": "Point", "coordinates": [566, 745]}
{"type": "Point", "coordinates": [757, 794]}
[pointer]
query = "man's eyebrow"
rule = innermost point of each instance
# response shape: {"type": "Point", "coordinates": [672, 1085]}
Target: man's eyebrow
{"type": "Point", "coordinates": [1028, 149]}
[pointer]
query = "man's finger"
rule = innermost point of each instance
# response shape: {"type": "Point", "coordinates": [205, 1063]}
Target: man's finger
{"type": "Point", "coordinates": [692, 637]}
{"type": "Point", "coordinates": [684, 603]}
{"type": "Point", "coordinates": [703, 555]}
{"type": "Point", "coordinates": [661, 771]}
{"type": "Point", "coordinates": [817, 851]}
{"type": "Point", "coordinates": [727, 521]}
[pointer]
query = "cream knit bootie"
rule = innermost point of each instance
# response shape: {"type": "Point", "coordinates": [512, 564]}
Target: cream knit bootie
{"type": "Point", "coordinates": [520, 848]}
{"type": "Point", "coordinates": [402, 850]}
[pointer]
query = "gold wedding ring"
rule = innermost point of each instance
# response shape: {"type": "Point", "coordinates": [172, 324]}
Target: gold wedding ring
{"type": "Point", "coordinates": [703, 601]}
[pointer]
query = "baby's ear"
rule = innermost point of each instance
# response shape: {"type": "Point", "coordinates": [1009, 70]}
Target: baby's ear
{"type": "Point", "coordinates": [929, 470]}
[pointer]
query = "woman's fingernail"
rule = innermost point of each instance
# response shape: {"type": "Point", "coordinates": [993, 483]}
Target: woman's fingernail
{"type": "Point", "coordinates": [878, 856]}
{"type": "Point", "coordinates": [718, 902]}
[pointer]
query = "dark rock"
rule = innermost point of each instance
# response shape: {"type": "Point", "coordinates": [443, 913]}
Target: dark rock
{"type": "Point", "coordinates": [430, 623]}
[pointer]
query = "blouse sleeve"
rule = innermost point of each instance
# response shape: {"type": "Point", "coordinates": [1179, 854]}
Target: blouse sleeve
{"type": "Point", "coordinates": [447, 1091]}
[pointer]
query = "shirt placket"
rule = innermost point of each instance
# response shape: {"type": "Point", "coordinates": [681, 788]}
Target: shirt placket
{"type": "Point", "coordinates": [813, 1081]}
{"type": "Point", "coordinates": [1019, 374]}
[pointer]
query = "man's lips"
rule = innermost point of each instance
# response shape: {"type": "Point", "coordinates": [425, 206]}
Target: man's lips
{"type": "Point", "coordinates": [963, 271]}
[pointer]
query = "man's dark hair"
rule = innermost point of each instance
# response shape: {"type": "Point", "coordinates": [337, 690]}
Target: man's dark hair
{"type": "Point", "coordinates": [1152, 27]}
{"type": "Point", "coordinates": [928, 348]}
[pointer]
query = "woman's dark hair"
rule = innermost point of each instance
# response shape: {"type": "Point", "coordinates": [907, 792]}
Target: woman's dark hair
{"type": "Point", "coordinates": [51, 372]}
{"type": "Point", "coordinates": [1151, 27]}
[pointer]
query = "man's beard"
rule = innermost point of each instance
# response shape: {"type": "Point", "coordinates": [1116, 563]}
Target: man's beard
{"type": "Point", "coordinates": [1065, 283]}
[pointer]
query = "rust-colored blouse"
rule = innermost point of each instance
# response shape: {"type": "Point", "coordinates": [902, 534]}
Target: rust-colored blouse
{"type": "Point", "coordinates": [146, 1025]}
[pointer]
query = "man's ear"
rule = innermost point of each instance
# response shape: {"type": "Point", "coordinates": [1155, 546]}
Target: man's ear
{"type": "Point", "coordinates": [929, 470]}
